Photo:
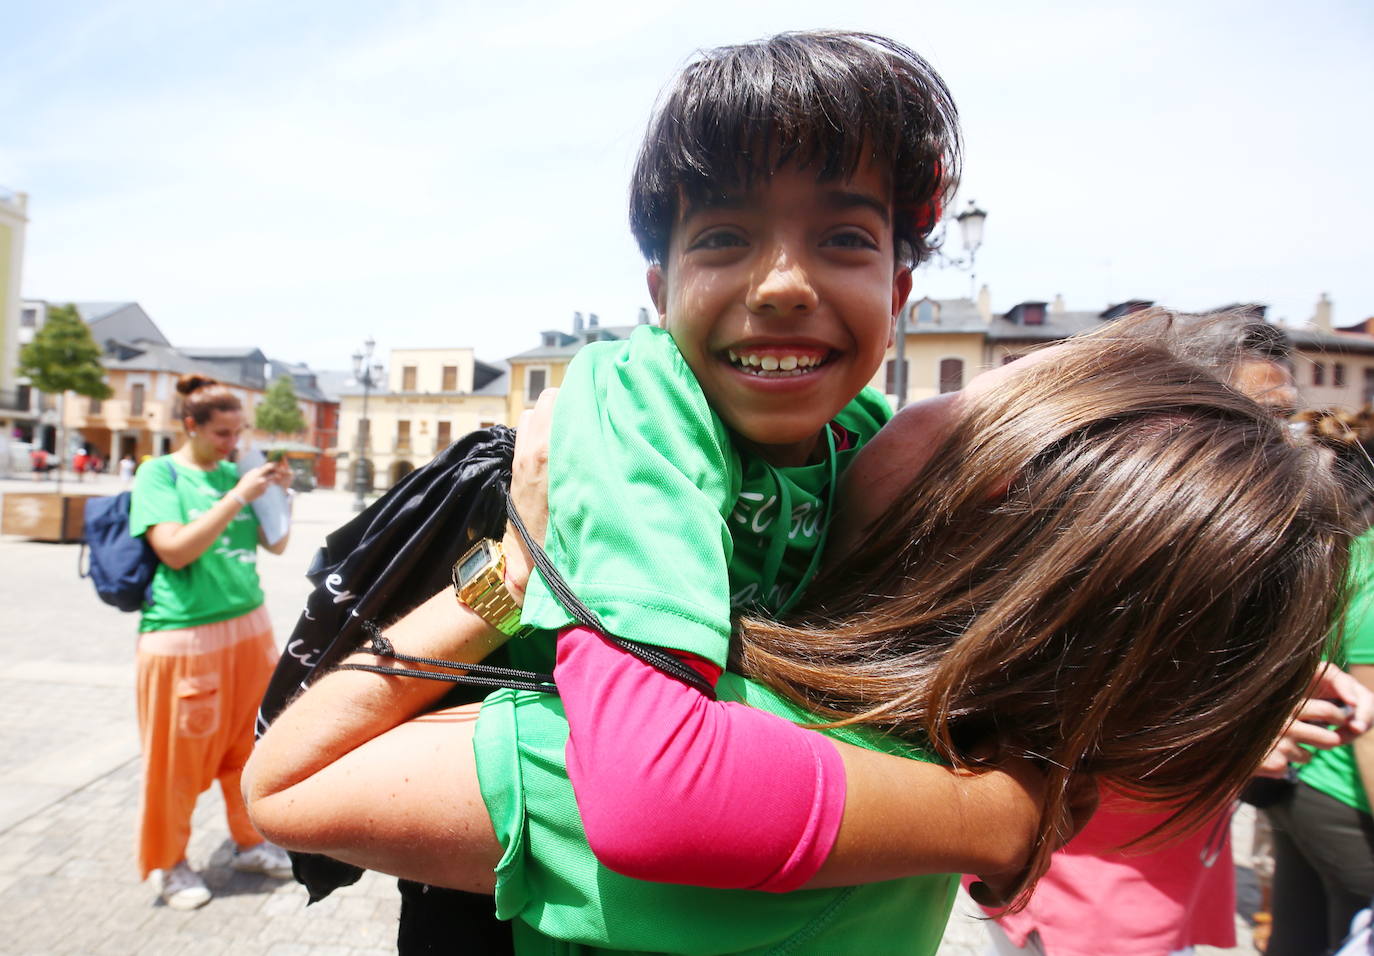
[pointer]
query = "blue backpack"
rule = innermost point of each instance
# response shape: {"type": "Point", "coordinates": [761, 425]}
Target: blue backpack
{"type": "Point", "coordinates": [120, 565]}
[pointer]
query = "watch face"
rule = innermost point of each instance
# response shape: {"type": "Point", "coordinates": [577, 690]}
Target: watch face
{"type": "Point", "coordinates": [477, 559]}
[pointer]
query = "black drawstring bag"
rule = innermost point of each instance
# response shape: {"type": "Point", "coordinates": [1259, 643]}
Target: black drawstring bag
{"type": "Point", "coordinates": [385, 561]}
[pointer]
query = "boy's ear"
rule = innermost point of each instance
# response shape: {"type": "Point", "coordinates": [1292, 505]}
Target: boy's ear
{"type": "Point", "coordinates": [901, 289]}
{"type": "Point", "coordinates": [658, 292]}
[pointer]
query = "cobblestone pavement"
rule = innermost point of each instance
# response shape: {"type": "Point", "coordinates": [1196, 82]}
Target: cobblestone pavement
{"type": "Point", "coordinates": [69, 774]}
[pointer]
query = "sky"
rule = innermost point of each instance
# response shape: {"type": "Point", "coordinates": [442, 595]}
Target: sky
{"type": "Point", "coordinates": [301, 175]}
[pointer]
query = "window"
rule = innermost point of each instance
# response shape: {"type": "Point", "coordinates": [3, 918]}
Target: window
{"type": "Point", "coordinates": [95, 406]}
{"type": "Point", "coordinates": [444, 437]}
{"type": "Point", "coordinates": [28, 318]}
{"type": "Point", "coordinates": [892, 385]}
{"type": "Point", "coordinates": [23, 397]}
{"type": "Point", "coordinates": [450, 379]}
{"type": "Point", "coordinates": [1338, 374]}
{"type": "Point", "coordinates": [1369, 386]}
{"type": "Point", "coordinates": [136, 399]}
{"type": "Point", "coordinates": [1009, 358]}
{"type": "Point", "coordinates": [407, 378]}
{"type": "Point", "coordinates": [951, 375]}
{"type": "Point", "coordinates": [536, 380]}
{"type": "Point", "coordinates": [1318, 373]}
{"type": "Point", "coordinates": [403, 435]}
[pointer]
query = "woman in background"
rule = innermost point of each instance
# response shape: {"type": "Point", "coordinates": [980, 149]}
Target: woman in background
{"type": "Point", "coordinates": [205, 647]}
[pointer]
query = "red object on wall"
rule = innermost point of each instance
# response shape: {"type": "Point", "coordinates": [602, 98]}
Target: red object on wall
{"type": "Point", "coordinates": [326, 437]}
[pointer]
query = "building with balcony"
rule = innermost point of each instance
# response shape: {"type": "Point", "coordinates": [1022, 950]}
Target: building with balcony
{"type": "Point", "coordinates": [142, 368]}
{"type": "Point", "coordinates": [431, 398]}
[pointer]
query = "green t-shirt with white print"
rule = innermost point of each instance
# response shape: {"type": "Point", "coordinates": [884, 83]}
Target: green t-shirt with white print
{"type": "Point", "coordinates": [223, 582]}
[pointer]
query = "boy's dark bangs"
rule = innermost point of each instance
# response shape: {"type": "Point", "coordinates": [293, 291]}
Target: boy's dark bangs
{"type": "Point", "coordinates": [825, 102]}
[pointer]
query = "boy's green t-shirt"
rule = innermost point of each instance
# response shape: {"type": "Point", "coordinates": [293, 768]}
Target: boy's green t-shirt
{"type": "Point", "coordinates": [1334, 772]}
{"type": "Point", "coordinates": [223, 582]}
{"type": "Point", "coordinates": [655, 520]}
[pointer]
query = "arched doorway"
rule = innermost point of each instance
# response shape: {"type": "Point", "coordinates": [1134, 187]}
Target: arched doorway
{"type": "Point", "coordinates": [400, 469]}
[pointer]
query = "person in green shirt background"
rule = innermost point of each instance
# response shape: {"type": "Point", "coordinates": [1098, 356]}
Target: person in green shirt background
{"type": "Point", "coordinates": [1323, 829]}
{"type": "Point", "coordinates": [205, 646]}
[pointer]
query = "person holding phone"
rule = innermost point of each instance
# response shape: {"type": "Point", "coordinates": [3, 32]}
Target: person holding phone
{"type": "Point", "coordinates": [205, 646]}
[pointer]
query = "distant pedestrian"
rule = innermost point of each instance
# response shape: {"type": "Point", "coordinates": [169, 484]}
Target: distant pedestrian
{"type": "Point", "coordinates": [205, 647]}
{"type": "Point", "coordinates": [38, 458]}
{"type": "Point", "coordinates": [81, 463]}
{"type": "Point", "coordinates": [126, 469]}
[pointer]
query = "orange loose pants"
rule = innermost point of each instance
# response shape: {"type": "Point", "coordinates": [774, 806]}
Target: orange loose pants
{"type": "Point", "coordinates": [198, 694]}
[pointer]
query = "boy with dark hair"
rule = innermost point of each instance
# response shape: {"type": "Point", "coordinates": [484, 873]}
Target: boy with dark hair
{"type": "Point", "coordinates": [784, 191]}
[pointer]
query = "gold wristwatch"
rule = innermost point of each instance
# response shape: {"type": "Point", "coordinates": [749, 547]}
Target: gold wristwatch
{"type": "Point", "coordinates": [479, 581]}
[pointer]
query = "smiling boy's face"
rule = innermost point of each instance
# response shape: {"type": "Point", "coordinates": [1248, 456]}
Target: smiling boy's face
{"type": "Point", "coordinates": [782, 300]}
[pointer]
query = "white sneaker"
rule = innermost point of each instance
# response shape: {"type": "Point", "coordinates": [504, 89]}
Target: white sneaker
{"type": "Point", "coordinates": [181, 887]}
{"type": "Point", "coordinates": [265, 858]}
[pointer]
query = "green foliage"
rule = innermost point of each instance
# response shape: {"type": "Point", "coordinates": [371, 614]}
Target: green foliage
{"type": "Point", "coordinates": [63, 357]}
{"type": "Point", "coordinates": [280, 411]}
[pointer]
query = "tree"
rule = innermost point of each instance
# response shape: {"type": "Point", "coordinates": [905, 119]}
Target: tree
{"type": "Point", "coordinates": [280, 411]}
{"type": "Point", "coordinates": [64, 358]}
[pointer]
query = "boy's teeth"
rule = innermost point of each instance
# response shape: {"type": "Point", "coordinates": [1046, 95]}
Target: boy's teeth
{"type": "Point", "coordinates": [790, 364]}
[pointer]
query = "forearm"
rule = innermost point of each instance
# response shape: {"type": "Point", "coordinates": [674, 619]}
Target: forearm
{"type": "Point", "coordinates": [673, 787]}
{"type": "Point", "coordinates": [345, 709]}
{"type": "Point", "coordinates": [905, 817]}
{"type": "Point", "coordinates": [179, 545]}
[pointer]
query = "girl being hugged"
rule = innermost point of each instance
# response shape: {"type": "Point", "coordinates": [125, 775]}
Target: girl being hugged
{"type": "Point", "coordinates": [205, 647]}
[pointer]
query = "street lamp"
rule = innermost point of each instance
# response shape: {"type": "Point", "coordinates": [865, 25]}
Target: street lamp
{"type": "Point", "coordinates": [971, 235]}
{"type": "Point", "coordinates": [369, 376]}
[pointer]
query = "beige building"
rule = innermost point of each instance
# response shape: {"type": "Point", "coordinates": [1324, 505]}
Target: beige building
{"type": "Point", "coordinates": [432, 397]}
{"type": "Point", "coordinates": [1334, 366]}
{"type": "Point", "coordinates": [948, 341]}
{"type": "Point", "coordinates": [545, 365]}
{"type": "Point", "coordinates": [142, 368]}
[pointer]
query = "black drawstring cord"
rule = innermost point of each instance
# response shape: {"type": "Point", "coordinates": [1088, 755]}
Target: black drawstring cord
{"type": "Point", "coordinates": [478, 675]}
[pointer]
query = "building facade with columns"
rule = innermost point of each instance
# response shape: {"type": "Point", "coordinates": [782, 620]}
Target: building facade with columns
{"type": "Point", "coordinates": [431, 398]}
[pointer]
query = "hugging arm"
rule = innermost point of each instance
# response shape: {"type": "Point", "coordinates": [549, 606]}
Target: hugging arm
{"type": "Point", "coordinates": [355, 769]}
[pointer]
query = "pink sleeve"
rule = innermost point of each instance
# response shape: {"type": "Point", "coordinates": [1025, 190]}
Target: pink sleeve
{"type": "Point", "coordinates": [676, 788]}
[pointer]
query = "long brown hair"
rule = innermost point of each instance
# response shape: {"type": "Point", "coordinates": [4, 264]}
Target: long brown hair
{"type": "Point", "coordinates": [1116, 564]}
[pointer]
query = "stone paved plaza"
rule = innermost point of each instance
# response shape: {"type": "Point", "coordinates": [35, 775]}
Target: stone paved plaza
{"type": "Point", "coordinates": [69, 772]}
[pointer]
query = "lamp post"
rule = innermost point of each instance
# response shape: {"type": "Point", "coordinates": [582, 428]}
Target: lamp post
{"type": "Point", "coordinates": [971, 232]}
{"type": "Point", "coordinates": [971, 235]}
{"type": "Point", "coordinates": [369, 376]}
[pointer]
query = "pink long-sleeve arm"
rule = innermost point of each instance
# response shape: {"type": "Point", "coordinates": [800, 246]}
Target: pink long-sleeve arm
{"type": "Point", "coordinates": [676, 788]}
